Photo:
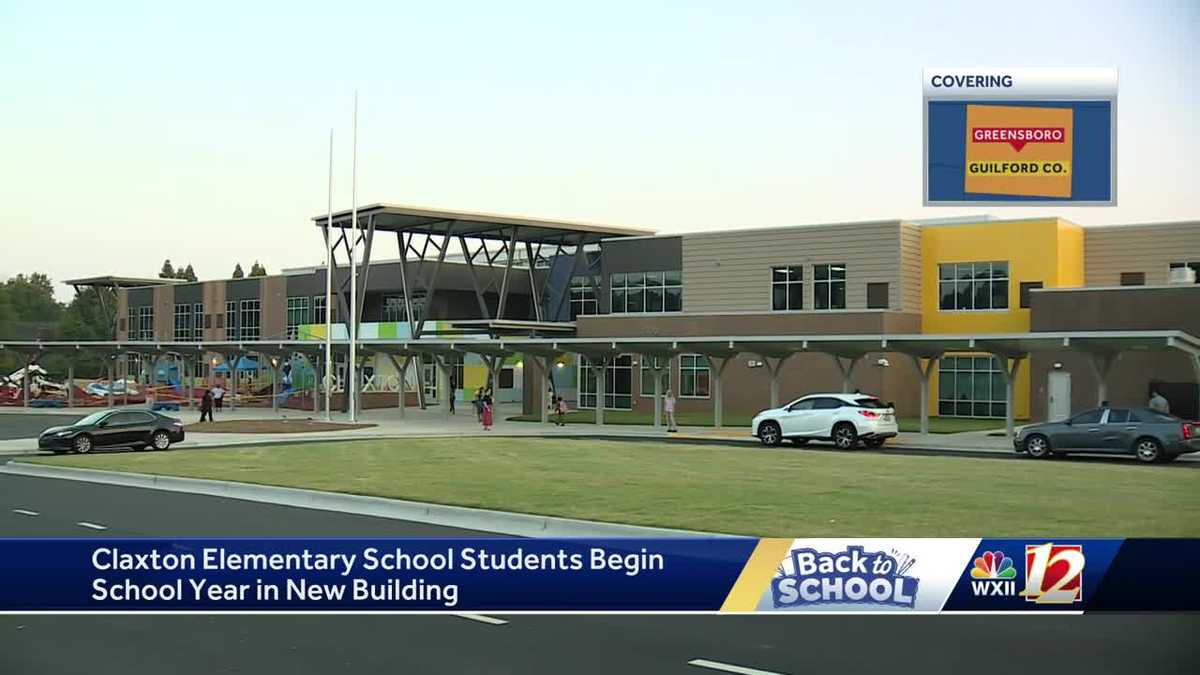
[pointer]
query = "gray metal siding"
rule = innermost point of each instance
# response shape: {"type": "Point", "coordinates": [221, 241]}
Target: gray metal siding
{"type": "Point", "coordinates": [190, 293]}
{"type": "Point", "coordinates": [1109, 251]}
{"type": "Point", "coordinates": [731, 271]}
{"type": "Point", "coordinates": [658, 254]}
{"type": "Point", "coordinates": [910, 268]}
{"type": "Point", "coordinates": [243, 289]}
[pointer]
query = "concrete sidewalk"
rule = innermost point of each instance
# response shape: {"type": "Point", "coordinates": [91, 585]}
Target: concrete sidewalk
{"type": "Point", "coordinates": [435, 422]}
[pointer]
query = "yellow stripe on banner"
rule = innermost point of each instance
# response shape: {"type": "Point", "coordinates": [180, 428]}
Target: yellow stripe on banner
{"type": "Point", "coordinates": [755, 576]}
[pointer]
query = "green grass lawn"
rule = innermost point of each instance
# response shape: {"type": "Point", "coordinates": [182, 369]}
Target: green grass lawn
{"type": "Point", "coordinates": [772, 492]}
{"type": "Point", "coordinates": [937, 425]}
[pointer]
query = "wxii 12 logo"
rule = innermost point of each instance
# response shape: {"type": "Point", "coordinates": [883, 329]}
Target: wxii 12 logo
{"type": "Point", "coordinates": [1053, 573]}
{"type": "Point", "coordinates": [852, 576]}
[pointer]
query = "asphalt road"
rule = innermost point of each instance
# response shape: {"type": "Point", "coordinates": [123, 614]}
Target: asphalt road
{"type": "Point", "coordinates": [18, 425]}
{"type": "Point", "coordinates": [525, 644]}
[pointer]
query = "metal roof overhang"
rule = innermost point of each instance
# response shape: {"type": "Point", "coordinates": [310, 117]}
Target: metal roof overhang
{"type": "Point", "coordinates": [439, 222]}
{"type": "Point", "coordinates": [850, 346]}
{"type": "Point", "coordinates": [121, 282]}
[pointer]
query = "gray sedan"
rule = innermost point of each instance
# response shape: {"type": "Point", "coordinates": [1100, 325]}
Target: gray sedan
{"type": "Point", "coordinates": [1149, 435]}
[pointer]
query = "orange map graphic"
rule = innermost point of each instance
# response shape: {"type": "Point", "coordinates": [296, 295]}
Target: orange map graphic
{"type": "Point", "coordinates": [1018, 150]}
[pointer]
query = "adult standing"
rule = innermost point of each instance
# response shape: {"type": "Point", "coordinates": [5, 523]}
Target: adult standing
{"type": "Point", "coordinates": [669, 409]}
{"type": "Point", "coordinates": [218, 397]}
{"type": "Point", "coordinates": [453, 393]}
{"type": "Point", "coordinates": [1159, 403]}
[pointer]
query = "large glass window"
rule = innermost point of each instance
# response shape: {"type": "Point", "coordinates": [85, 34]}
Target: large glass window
{"type": "Point", "coordinates": [318, 304]}
{"type": "Point", "coordinates": [694, 376]}
{"type": "Point", "coordinates": [787, 288]}
{"type": "Point", "coordinates": [183, 322]}
{"type": "Point", "coordinates": [829, 286]}
{"type": "Point", "coordinates": [971, 386]}
{"type": "Point", "coordinates": [976, 286]}
{"type": "Point", "coordinates": [583, 297]}
{"type": "Point", "coordinates": [248, 327]}
{"type": "Point", "coordinates": [297, 315]}
{"type": "Point", "coordinates": [1195, 267]}
{"type": "Point", "coordinates": [394, 311]}
{"type": "Point", "coordinates": [634, 292]}
{"type": "Point", "coordinates": [231, 332]}
{"type": "Point", "coordinates": [145, 323]}
{"type": "Point", "coordinates": [646, 375]}
{"type": "Point", "coordinates": [618, 383]}
{"type": "Point", "coordinates": [198, 321]}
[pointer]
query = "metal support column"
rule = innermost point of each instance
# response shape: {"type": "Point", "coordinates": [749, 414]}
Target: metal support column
{"type": "Point", "coordinates": [25, 381]}
{"type": "Point", "coordinates": [547, 386]}
{"type": "Point", "coordinates": [924, 371]}
{"type": "Point", "coordinates": [1010, 376]}
{"type": "Point", "coordinates": [847, 370]}
{"type": "Point", "coordinates": [656, 373]}
{"type": "Point", "coordinates": [110, 382]}
{"type": "Point", "coordinates": [274, 387]}
{"type": "Point", "coordinates": [71, 384]}
{"type": "Point", "coordinates": [601, 371]}
{"type": "Point", "coordinates": [775, 369]}
{"type": "Point", "coordinates": [1102, 364]}
{"type": "Point", "coordinates": [717, 367]}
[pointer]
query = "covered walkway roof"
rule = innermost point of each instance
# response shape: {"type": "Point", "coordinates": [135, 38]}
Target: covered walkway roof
{"type": "Point", "coordinates": [440, 222]}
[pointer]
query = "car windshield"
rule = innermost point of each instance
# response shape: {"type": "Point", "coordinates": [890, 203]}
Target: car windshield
{"type": "Point", "coordinates": [870, 402]}
{"type": "Point", "coordinates": [91, 419]}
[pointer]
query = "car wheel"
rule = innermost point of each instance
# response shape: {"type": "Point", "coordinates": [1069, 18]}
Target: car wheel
{"type": "Point", "coordinates": [160, 440]}
{"type": "Point", "coordinates": [1148, 450]}
{"type": "Point", "coordinates": [1037, 446]}
{"type": "Point", "coordinates": [82, 444]}
{"type": "Point", "coordinates": [769, 433]}
{"type": "Point", "coordinates": [845, 435]}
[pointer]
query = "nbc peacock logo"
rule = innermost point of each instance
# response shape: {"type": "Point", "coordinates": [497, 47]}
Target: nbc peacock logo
{"type": "Point", "coordinates": [993, 575]}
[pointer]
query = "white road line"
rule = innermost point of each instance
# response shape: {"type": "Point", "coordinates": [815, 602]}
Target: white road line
{"type": "Point", "coordinates": [26, 512]}
{"type": "Point", "coordinates": [730, 668]}
{"type": "Point", "coordinates": [483, 619]}
{"type": "Point", "coordinates": [94, 526]}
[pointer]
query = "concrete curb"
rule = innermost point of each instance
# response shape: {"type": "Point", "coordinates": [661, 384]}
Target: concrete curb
{"type": "Point", "coordinates": [484, 520]}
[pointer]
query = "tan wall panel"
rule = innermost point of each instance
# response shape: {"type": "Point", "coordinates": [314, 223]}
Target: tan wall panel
{"type": "Point", "coordinates": [214, 306]}
{"type": "Point", "coordinates": [273, 307]}
{"type": "Point", "coordinates": [164, 313]}
{"type": "Point", "coordinates": [786, 323]}
{"type": "Point", "coordinates": [122, 314]}
{"type": "Point", "coordinates": [1111, 250]}
{"type": "Point", "coordinates": [731, 271]}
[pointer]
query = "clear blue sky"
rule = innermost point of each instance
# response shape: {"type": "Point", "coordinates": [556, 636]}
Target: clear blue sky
{"type": "Point", "coordinates": [132, 132]}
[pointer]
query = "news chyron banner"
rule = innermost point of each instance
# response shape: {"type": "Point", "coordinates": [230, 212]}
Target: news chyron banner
{"type": "Point", "coordinates": [1012, 136]}
{"type": "Point", "coordinates": [699, 575]}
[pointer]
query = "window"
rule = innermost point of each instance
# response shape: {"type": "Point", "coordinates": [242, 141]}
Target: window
{"type": "Point", "coordinates": [646, 375]}
{"type": "Point", "coordinates": [1025, 288]}
{"type": "Point", "coordinates": [618, 383]}
{"type": "Point", "coordinates": [979, 286]}
{"type": "Point", "coordinates": [787, 288]}
{"type": "Point", "coordinates": [183, 323]}
{"type": "Point", "coordinates": [971, 386]}
{"type": "Point", "coordinates": [145, 323]}
{"type": "Point", "coordinates": [249, 320]}
{"type": "Point", "coordinates": [583, 297]}
{"type": "Point", "coordinates": [694, 376]}
{"type": "Point", "coordinates": [806, 404]}
{"type": "Point", "coordinates": [297, 315]}
{"type": "Point", "coordinates": [1089, 417]}
{"type": "Point", "coordinates": [393, 309]}
{"type": "Point", "coordinates": [1118, 416]}
{"type": "Point", "coordinates": [828, 404]}
{"type": "Point", "coordinates": [829, 286]}
{"type": "Point", "coordinates": [877, 295]}
{"type": "Point", "coordinates": [231, 332]}
{"type": "Point", "coordinates": [636, 292]}
{"type": "Point", "coordinates": [1133, 278]}
{"type": "Point", "coordinates": [456, 370]}
{"type": "Point", "coordinates": [198, 324]}
{"type": "Point", "coordinates": [1147, 415]}
{"type": "Point", "coordinates": [1195, 267]}
{"type": "Point", "coordinates": [319, 309]}
{"type": "Point", "coordinates": [506, 377]}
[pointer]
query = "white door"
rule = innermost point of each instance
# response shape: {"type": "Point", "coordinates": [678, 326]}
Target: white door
{"type": "Point", "coordinates": [1058, 395]}
{"type": "Point", "coordinates": [793, 420]}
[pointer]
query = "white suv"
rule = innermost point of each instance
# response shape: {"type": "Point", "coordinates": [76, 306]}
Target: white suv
{"type": "Point", "coordinates": [844, 419]}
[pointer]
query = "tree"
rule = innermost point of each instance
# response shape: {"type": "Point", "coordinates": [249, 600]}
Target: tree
{"type": "Point", "coordinates": [189, 274]}
{"type": "Point", "coordinates": [32, 298]}
{"type": "Point", "coordinates": [84, 319]}
{"type": "Point", "coordinates": [167, 271]}
{"type": "Point", "coordinates": [237, 272]}
{"type": "Point", "coordinates": [257, 270]}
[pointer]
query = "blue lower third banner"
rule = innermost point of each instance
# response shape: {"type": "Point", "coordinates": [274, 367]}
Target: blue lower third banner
{"type": "Point", "coordinates": [732, 574]}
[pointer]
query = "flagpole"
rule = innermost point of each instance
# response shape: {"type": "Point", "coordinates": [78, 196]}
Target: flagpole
{"type": "Point", "coordinates": [352, 389]}
{"type": "Point", "coordinates": [329, 286]}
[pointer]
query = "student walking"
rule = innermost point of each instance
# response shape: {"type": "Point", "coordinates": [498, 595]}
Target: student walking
{"type": "Point", "coordinates": [453, 394]}
{"type": "Point", "coordinates": [206, 406]}
{"type": "Point", "coordinates": [486, 416]}
{"type": "Point", "coordinates": [560, 412]}
{"type": "Point", "coordinates": [669, 409]}
{"type": "Point", "coordinates": [478, 402]}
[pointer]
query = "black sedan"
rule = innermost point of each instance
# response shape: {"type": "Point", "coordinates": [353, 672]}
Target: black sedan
{"type": "Point", "coordinates": [137, 429]}
{"type": "Point", "coordinates": [1149, 435]}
